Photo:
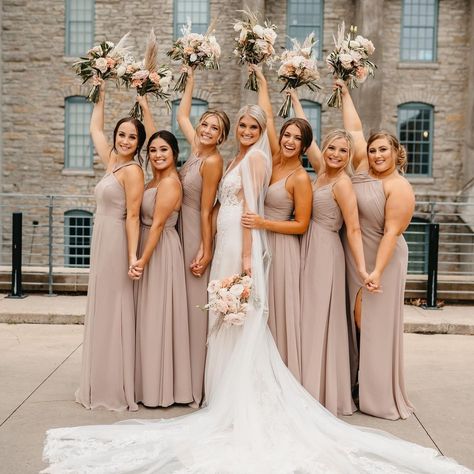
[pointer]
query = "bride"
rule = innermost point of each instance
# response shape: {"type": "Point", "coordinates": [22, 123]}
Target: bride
{"type": "Point", "coordinates": [258, 418]}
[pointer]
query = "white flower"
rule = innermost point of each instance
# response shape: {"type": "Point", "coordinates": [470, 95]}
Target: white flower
{"type": "Point", "coordinates": [193, 57]}
{"type": "Point", "coordinates": [269, 35]}
{"type": "Point", "coordinates": [366, 44]}
{"type": "Point", "coordinates": [346, 60]}
{"type": "Point", "coordinates": [243, 34]}
{"type": "Point", "coordinates": [101, 65]}
{"type": "Point", "coordinates": [236, 319]}
{"type": "Point", "coordinates": [213, 286]}
{"type": "Point", "coordinates": [165, 81]}
{"type": "Point", "coordinates": [236, 289]}
{"type": "Point", "coordinates": [258, 30]}
{"type": "Point", "coordinates": [110, 44]}
{"type": "Point", "coordinates": [354, 44]}
{"type": "Point", "coordinates": [121, 70]}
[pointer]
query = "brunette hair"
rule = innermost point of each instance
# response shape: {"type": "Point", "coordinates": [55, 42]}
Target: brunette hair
{"type": "Point", "coordinates": [305, 130]}
{"type": "Point", "coordinates": [223, 120]}
{"type": "Point", "coordinates": [141, 135]}
{"type": "Point", "coordinates": [401, 160]}
{"type": "Point", "coordinates": [169, 138]}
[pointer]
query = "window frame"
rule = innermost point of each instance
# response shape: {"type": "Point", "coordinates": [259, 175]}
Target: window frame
{"type": "Point", "coordinates": [425, 243]}
{"type": "Point", "coordinates": [68, 236]}
{"type": "Point", "coordinates": [67, 28]}
{"type": "Point", "coordinates": [177, 31]}
{"type": "Point", "coordinates": [316, 137]}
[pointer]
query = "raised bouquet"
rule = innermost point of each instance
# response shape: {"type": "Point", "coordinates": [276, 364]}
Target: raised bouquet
{"type": "Point", "coordinates": [254, 44]}
{"type": "Point", "coordinates": [106, 61]}
{"type": "Point", "coordinates": [349, 61]}
{"type": "Point", "coordinates": [195, 50]}
{"type": "Point", "coordinates": [228, 299]}
{"type": "Point", "coordinates": [149, 78]}
{"type": "Point", "coordinates": [298, 68]}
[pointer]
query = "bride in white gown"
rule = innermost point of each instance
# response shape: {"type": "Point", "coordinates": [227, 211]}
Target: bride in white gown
{"type": "Point", "coordinates": [258, 418]}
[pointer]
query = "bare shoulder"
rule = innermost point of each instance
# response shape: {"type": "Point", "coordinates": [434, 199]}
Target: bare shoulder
{"type": "Point", "coordinates": [214, 160]}
{"type": "Point", "coordinates": [300, 177]}
{"type": "Point", "coordinates": [399, 185]}
{"type": "Point", "coordinates": [134, 171]}
{"type": "Point", "coordinates": [170, 183]}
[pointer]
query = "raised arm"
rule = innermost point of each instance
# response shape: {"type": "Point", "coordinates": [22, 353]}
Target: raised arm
{"type": "Point", "coordinates": [148, 122]}
{"type": "Point", "coordinates": [313, 152]}
{"type": "Point", "coordinates": [265, 104]}
{"type": "Point", "coordinates": [184, 109]}
{"type": "Point", "coordinates": [399, 208]}
{"type": "Point", "coordinates": [103, 148]}
{"type": "Point", "coordinates": [353, 125]}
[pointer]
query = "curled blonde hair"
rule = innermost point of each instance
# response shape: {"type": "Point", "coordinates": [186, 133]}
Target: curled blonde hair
{"type": "Point", "coordinates": [401, 160]}
{"type": "Point", "coordinates": [222, 119]}
{"type": "Point", "coordinates": [335, 135]}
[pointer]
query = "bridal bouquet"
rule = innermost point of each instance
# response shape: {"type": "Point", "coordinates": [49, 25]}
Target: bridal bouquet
{"type": "Point", "coordinates": [148, 77]}
{"type": "Point", "coordinates": [298, 68]}
{"type": "Point", "coordinates": [195, 50]}
{"type": "Point", "coordinates": [228, 298]}
{"type": "Point", "coordinates": [349, 61]}
{"type": "Point", "coordinates": [254, 44]}
{"type": "Point", "coordinates": [107, 61]}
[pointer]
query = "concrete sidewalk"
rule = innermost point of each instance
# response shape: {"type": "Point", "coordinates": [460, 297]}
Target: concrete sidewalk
{"type": "Point", "coordinates": [70, 310]}
{"type": "Point", "coordinates": [40, 365]}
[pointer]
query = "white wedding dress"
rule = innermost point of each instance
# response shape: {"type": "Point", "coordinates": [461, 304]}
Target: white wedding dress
{"type": "Point", "coordinates": [258, 418]}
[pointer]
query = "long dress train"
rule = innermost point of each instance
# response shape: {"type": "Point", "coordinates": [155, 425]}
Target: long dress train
{"type": "Point", "coordinates": [258, 418]}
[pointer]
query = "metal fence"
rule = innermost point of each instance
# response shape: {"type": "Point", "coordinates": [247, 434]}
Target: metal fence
{"type": "Point", "coordinates": [57, 231]}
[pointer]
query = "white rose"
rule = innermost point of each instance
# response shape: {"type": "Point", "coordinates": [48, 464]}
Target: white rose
{"type": "Point", "coordinates": [193, 57]}
{"type": "Point", "coordinates": [236, 289]}
{"type": "Point", "coordinates": [346, 60]}
{"type": "Point", "coordinates": [269, 35]}
{"type": "Point", "coordinates": [121, 70]}
{"type": "Point", "coordinates": [165, 82]}
{"type": "Point", "coordinates": [354, 44]}
{"type": "Point", "coordinates": [258, 30]}
{"type": "Point", "coordinates": [101, 65]}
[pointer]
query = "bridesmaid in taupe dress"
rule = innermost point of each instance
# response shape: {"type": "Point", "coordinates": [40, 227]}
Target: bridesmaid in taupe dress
{"type": "Point", "coordinates": [107, 375]}
{"type": "Point", "coordinates": [200, 176]}
{"type": "Point", "coordinates": [162, 365]}
{"type": "Point", "coordinates": [386, 204]}
{"type": "Point", "coordinates": [287, 215]}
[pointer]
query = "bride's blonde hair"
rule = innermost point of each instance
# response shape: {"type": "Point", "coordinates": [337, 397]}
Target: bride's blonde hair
{"type": "Point", "coordinates": [254, 111]}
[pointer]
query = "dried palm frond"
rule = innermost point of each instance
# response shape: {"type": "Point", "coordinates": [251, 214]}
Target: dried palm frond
{"type": "Point", "coordinates": [150, 61]}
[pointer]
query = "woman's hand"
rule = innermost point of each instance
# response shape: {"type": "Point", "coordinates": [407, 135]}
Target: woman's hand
{"type": "Point", "coordinates": [142, 100]}
{"type": "Point", "coordinates": [135, 269]}
{"type": "Point", "coordinates": [341, 85]}
{"type": "Point", "coordinates": [258, 72]}
{"type": "Point", "coordinates": [372, 282]}
{"type": "Point", "coordinates": [251, 220]}
{"type": "Point", "coordinates": [247, 265]}
{"type": "Point", "coordinates": [200, 262]}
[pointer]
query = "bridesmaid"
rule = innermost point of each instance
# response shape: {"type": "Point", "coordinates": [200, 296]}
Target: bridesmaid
{"type": "Point", "coordinates": [325, 367]}
{"type": "Point", "coordinates": [287, 215]}
{"type": "Point", "coordinates": [107, 375]}
{"type": "Point", "coordinates": [200, 176]}
{"type": "Point", "coordinates": [386, 204]}
{"type": "Point", "coordinates": [162, 364]}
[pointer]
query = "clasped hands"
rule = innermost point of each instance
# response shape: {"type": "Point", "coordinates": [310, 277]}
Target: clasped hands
{"type": "Point", "coordinates": [135, 269]}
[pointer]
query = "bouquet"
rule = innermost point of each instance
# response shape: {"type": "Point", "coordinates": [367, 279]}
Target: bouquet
{"type": "Point", "coordinates": [254, 44]}
{"type": "Point", "coordinates": [195, 50]}
{"type": "Point", "coordinates": [349, 61]}
{"type": "Point", "coordinates": [107, 61]}
{"type": "Point", "coordinates": [228, 298]}
{"type": "Point", "coordinates": [298, 68]}
{"type": "Point", "coordinates": [148, 78]}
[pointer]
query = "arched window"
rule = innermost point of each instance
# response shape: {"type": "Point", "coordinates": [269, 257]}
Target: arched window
{"type": "Point", "coordinates": [79, 26]}
{"type": "Point", "coordinates": [197, 11]}
{"type": "Point", "coordinates": [198, 107]}
{"type": "Point", "coordinates": [312, 111]}
{"type": "Point", "coordinates": [419, 30]}
{"type": "Point", "coordinates": [415, 132]}
{"type": "Point", "coordinates": [78, 149]}
{"type": "Point", "coordinates": [77, 238]}
{"type": "Point", "coordinates": [303, 17]}
{"type": "Point", "coordinates": [417, 237]}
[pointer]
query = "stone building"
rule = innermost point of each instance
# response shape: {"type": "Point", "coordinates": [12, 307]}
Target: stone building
{"type": "Point", "coordinates": [423, 89]}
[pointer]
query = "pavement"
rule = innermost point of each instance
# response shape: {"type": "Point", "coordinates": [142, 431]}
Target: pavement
{"type": "Point", "coordinates": [40, 365]}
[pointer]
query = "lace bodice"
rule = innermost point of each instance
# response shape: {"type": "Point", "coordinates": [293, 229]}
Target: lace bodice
{"type": "Point", "coordinates": [230, 188]}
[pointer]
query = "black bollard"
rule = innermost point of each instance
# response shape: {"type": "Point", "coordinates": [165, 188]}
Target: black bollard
{"type": "Point", "coordinates": [16, 291]}
{"type": "Point", "coordinates": [432, 285]}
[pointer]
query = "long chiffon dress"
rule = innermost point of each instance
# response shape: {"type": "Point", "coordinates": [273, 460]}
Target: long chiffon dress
{"type": "Point", "coordinates": [325, 368]}
{"type": "Point", "coordinates": [108, 354]}
{"type": "Point", "coordinates": [162, 364]}
{"type": "Point", "coordinates": [380, 370]}
{"type": "Point", "coordinates": [196, 288]}
{"type": "Point", "coordinates": [283, 281]}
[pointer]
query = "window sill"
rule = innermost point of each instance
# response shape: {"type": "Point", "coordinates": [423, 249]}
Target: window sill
{"type": "Point", "coordinates": [420, 179]}
{"type": "Point", "coordinates": [73, 172]}
{"type": "Point", "coordinates": [417, 65]}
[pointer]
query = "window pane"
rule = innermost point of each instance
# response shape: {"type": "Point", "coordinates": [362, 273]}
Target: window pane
{"type": "Point", "coordinates": [303, 17]}
{"type": "Point", "coordinates": [417, 239]}
{"type": "Point", "coordinates": [77, 238]}
{"type": "Point", "coordinates": [197, 11]}
{"type": "Point", "coordinates": [198, 107]}
{"type": "Point", "coordinates": [415, 130]}
{"type": "Point", "coordinates": [79, 26]}
{"type": "Point", "coordinates": [77, 141]}
{"type": "Point", "coordinates": [419, 28]}
{"type": "Point", "coordinates": [312, 111]}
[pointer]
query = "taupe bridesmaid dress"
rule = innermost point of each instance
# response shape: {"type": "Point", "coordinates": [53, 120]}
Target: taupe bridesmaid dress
{"type": "Point", "coordinates": [325, 368]}
{"type": "Point", "coordinates": [108, 354]}
{"type": "Point", "coordinates": [284, 278]}
{"type": "Point", "coordinates": [196, 288]}
{"type": "Point", "coordinates": [162, 364]}
{"type": "Point", "coordinates": [380, 372]}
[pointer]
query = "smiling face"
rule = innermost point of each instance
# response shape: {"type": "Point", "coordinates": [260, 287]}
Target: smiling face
{"type": "Point", "coordinates": [291, 142]}
{"type": "Point", "coordinates": [336, 154]}
{"type": "Point", "coordinates": [126, 140]}
{"type": "Point", "coordinates": [248, 131]}
{"type": "Point", "coordinates": [382, 158]}
{"type": "Point", "coordinates": [209, 130]}
{"type": "Point", "coordinates": [160, 155]}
